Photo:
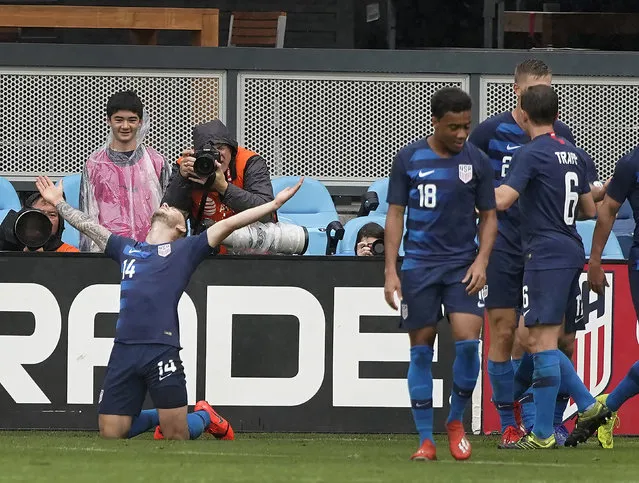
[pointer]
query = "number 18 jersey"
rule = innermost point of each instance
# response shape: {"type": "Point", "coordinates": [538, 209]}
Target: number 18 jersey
{"type": "Point", "coordinates": [441, 195]}
{"type": "Point", "coordinates": [549, 174]}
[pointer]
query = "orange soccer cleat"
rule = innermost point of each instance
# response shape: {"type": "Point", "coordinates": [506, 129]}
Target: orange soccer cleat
{"type": "Point", "coordinates": [457, 442]}
{"type": "Point", "coordinates": [219, 427]}
{"type": "Point", "coordinates": [158, 433]}
{"type": "Point", "coordinates": [426, 452]}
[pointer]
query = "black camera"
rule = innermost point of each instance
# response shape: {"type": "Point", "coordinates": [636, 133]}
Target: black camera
{"type": "Point", "coordinates": [377, 248]}
{"type": "Point", "coordinates": [204, 165]}
{"type": "Point", "coordinates": [28, 227]}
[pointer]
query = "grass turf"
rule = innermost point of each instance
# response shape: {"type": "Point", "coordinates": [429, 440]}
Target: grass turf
{"type": "Point", "coordinates": [83, 457]}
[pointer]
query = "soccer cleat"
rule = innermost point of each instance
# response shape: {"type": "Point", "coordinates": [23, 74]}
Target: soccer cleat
{"type": "Point", "coordinates": [587, 424]}
{"type": "Point", "coordinates": [605, 431]}
{"type": "Point", "coordinates": [457, 442]}
{"type": "Point", "coordinates": [426, 452]}
{"type": "Point", "coordinates": [530, 441]}
{"type": "Point", "coordinates": [219, 427]}
{"type": "Point", "coordinates": [511, 435]}
{"type": "Point", "coordinates": [561, 433]}
{"type": "Point", "coordinates": [158, 433]}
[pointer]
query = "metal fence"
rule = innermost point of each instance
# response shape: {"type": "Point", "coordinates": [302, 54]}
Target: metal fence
{"type": "Point", "coordinates": [339, 116]}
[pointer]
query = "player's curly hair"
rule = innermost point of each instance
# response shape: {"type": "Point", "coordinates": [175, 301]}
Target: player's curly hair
{"type": "Point", "coordinates": [449, 99]}
{"type": "Point", "coordinates": [532, 68]}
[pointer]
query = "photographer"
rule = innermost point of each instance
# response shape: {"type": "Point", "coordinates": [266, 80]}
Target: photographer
{"type": "Point", "coordinates": [32, 232]}
{"type": "Point", "coordinates": [370, 241]}
{"type": "Point", "coordinates": [217, 178]}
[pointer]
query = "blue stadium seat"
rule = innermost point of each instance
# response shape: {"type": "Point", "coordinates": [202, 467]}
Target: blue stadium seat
{"type": "Point", "coordinates": [381, 188]}
{"type": "Point", "coordinates": [71, 186]}
{"type": "Point", "coordinates": [612, 250]}
{"type": "Point", "coordinates": [624, 228]}
{"type": "Point", "coordinates": [312, 207]}
{"type": "Point", "coordinates": [8, 198]}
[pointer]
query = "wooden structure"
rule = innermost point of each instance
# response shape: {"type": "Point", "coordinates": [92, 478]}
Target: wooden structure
{"type": "Point", "coordinates": [556, 28]}
{"type": "Point", "coordinates": [257, 29]}
{"type": "Point", "coordinates": [144, 22]}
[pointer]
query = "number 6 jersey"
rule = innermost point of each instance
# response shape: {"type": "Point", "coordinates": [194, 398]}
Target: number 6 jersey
{"type": "Point", "coordinates": [153, 280]}
{"type": "Point", "coordinates": [441, 195]}
{"type": "Point", "coordinates": [549, 173]}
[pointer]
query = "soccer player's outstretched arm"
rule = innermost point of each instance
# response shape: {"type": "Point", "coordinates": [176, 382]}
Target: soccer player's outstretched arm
{"type": "Point", "coordinates": [587, 208]}
{"type": "Point", "coordinates": [621, 184]}
{"type": "Point", "coordinates": [222, 229]}
{"type": "Point", "coordinates": [81, 221]}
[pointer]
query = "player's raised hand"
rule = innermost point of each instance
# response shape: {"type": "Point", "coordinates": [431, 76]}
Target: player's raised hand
{"type": "Point", "coordinates": [597, 279]}
{"type": "Point", "coordinates": [287, 193]}
{"type": "Point", "coordinates": [392, 286]}
{"type": "Point", "coordinates": [49, 191]}
{"type": "Point", "coordinates": [475, 277]}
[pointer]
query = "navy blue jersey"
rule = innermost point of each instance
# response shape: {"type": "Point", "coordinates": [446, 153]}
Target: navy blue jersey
{"type": "Point", "coordinates": [549, 174]}
{"type": "Point", "coordinates": [441, 195]}
{"type": "Point", "coordinates": [500, 137]}
{"type": "Point", "coordinates": [153, 280]}
{"type": "Point", "coordinates": [625, 185]}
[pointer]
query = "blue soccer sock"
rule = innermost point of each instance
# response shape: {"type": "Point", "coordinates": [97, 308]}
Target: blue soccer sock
{"type": "Point", "coordinates": [502, 381]}
{"type": "Point", "coordinates": [523, 389]}
{"type": "Point", "coordinates": [628, 387]}
{"type": "Point", "coordinates": [420, 388]}
{"type": "Point", "coordinates": [198, 422]}
{"type": "Point", "coordinates": [523, 375]}
{"type": "Point", "coordinates": [573, 385]}
{"type": "Point", "coordinates": [546, 379]}
{"type": "Point", "coordinates": [560, 406]}
{"type": "Point", "coordinates": [144, 421]}
{"type": "Point", "coordinates": [465, 372]}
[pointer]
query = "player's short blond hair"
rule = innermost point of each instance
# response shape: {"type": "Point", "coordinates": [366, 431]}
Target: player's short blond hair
{"type": "Point", "coordinates": [532, 68]}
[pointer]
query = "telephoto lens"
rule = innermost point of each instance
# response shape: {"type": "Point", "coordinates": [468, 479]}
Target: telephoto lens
{"type": "Point", "coordinates": [268, 238]}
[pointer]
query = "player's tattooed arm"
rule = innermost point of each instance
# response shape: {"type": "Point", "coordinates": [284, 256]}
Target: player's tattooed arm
{"type": "Point", "coordinates": [84, 223]}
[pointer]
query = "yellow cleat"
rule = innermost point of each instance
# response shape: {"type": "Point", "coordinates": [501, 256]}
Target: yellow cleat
{"type": "Point", "coordinates": [605, 431]}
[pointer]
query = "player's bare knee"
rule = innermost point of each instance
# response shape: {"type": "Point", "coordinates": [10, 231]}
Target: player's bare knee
{"type": "Point", "coordinates": [110, 431]}
{"type": "Point", "coordinates": [423, 336]}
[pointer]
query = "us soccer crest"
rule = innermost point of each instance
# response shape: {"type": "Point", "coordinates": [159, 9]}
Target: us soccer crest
{"type": "Point", "coordinates": [404, 311]}
{"type": "Point", "coordinates": [164, 250]}
{"type": "Point", "coordinates": [465, 172]}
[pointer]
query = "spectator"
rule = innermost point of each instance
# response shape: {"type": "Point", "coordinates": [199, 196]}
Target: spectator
{"type": "Point", "coordinates": [370, 240]}
{"type": "Point", "coordinates": [241, 180]}
{"type": "Point", "coordinates": [123, 181]}
{"type": "Point", "coordinates": [9, 241]}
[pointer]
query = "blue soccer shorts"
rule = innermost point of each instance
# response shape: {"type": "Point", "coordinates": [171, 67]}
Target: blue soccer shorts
{"type": "Point", "coordinates": [424, 290]}
{"type": "Point", "coordinates": [550, 295]}
{"type": "Point", "coordinates": [134, 369]}
{"type": "Point", "coordinates": [504, 276]}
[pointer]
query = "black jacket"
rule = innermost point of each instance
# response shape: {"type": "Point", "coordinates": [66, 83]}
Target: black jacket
{"type": "Point", "coordinates": [257, 180]}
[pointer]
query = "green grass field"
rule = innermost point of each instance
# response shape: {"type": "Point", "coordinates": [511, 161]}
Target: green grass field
{"type": "Point", "coordinates": [83, 457]}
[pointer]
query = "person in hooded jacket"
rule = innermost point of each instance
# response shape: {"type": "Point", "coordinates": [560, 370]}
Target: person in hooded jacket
{"type": "Point", "coordinates": [240, 181]}
{"type": "Point", "coordinates": [8, 241]}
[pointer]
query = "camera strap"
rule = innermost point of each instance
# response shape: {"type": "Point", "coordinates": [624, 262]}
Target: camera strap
{"type": "Point", "coordinates": [200, 213]}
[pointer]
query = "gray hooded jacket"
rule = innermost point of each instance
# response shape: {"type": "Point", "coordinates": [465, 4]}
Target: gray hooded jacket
{"type": "Point", "coordinates": [257, 179]}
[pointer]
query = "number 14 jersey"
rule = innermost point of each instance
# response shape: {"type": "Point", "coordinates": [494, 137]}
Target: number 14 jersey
{"type": "Point", "coordinates": [549, 173]}
{"type": "Point", "coordinates": [441, 195]}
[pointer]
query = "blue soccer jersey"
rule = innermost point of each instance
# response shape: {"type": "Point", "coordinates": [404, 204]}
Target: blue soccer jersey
{"type": "Point", "coordinates": [500, 137]}
{"type": "Point", "coordinates": [441, 195]}
{"type": "Point", "coordinates": [153, 280]}
{"type": "Point", "coordinates": [549, 174]}
{"type": "Point", "coordinates": [625, 185]}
